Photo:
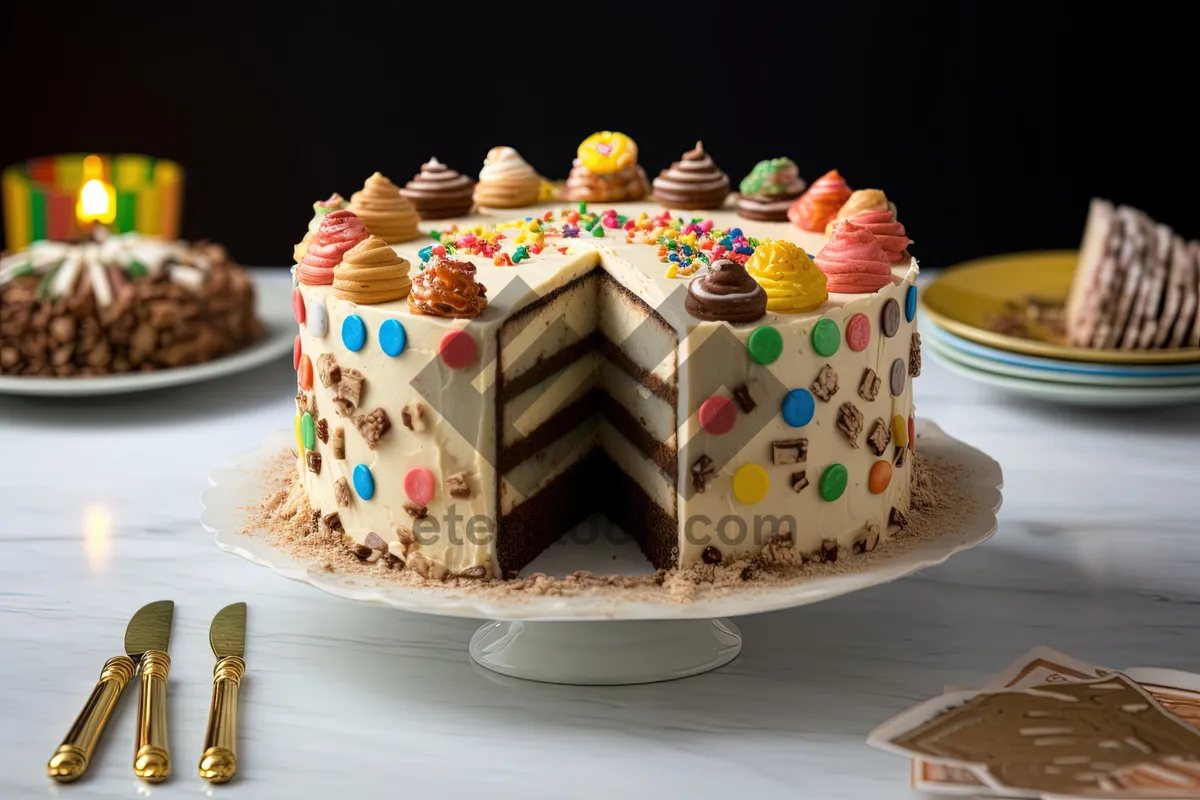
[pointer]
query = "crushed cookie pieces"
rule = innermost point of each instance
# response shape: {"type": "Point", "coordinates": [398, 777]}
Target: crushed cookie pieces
{"type": "Point", "coordinates": [415, 511]}
{"type": "Point", "coordinates": [789, 451]}
{"type": "Point", "coordinates": [323, 430]}
{"type": "Point", "coordinates": [742, 395]}
{"type": "Point", "coordinates": [702, 473]}
{"type": "Point", "coordinates": [826, 384]}
{"type": "Point", "coordinates": [341, 492]}
{"type": "Point", "coordinates": [868, 388]}
{"type": "Point", "coordinates": [867, 541]}
{"type": "Point", "coordinates": [914, 355]}
{"type": "Point", "coordinates": [339, 443]}
{"type": "Point", "coordinates": [413, 416]}
{"type": "Point", "coordinates": [373, 426]}
{"type": "Point", "coordinates": [328, 370]}
{"type": "Point", "coordinates": [799, 481]}
{"type": "Point", "coordinates": [457, 485]}
{"type": "Point", "coordinates": [313, 459]}
{"type": "Point", "coordinates": [880, 438]}
{"type": "Point", "coordinates": [349, 392]}
{"type": "Point", "coordinates": [850, 422]}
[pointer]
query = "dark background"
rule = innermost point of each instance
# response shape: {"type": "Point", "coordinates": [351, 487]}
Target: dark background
{"type": "Point", "coordinates": [989, 124]}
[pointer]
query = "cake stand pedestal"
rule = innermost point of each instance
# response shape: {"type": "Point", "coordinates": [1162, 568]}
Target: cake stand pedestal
{"type": "Point", "coordinates": [606, 653]}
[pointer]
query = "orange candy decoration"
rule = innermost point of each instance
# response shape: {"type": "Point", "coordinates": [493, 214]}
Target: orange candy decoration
{"type": "Point", "coordinates": [306, 373]}
{"type": "Point", "coordinates": [881, 476]}
{"type": "Point", "coordinates": [819, 206]}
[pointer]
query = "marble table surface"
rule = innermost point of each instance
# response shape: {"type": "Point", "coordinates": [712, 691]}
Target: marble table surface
{"type": "Point", "coordinates": [1098, 554]}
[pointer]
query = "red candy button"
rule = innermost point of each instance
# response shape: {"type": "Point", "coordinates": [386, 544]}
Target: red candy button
{"type": "Point", "coordinates": [419, 485]}
{"type": "Point", "coordinates": [912, 439]}
{"type": "Point", "coordinates": [458, 349]}
{"type": "Point", "coordinates": [296, 352]}
{"type": "Point", "coordinates": [298, 305]}
{"type": "Point", "coordinates": [717, 415]}
{"type": "Point", "coordinates": [306, 373]}
{"type": "Point", "coordinates": [858, 332]}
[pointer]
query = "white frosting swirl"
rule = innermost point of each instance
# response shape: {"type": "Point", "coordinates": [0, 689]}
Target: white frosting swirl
{"type": "Point", "coordinates": [505, 164]}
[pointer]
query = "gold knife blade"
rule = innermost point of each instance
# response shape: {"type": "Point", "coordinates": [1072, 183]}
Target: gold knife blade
{"type": "Point", "coordinates": [146, 640]}
{"type": "Point", "coordinates": [227, 635]}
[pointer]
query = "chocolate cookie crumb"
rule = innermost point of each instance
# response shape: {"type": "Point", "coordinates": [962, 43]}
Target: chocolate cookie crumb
{"type": "Point", "coordinates": [332, 521]}
{"type": "Point", "coordinates": [349, 392]}
{"type": "Point", "coordinates": [341, 492]}
{"type": "Point", "coordinates": [457, 485]}
{"type": "Point", "coordinates": [829, 551]}
{"type": "Point", "coordinates": [880, 438]}
{"type": "Point", "coordinates": [850, 422]}
{"type": "Point", "coordinates": [328, 370]}
{"type": "Point", "coordinates": [742, 395]}
{"type": "Point", "coordinates": [789, 451]}
{"type": "Point", "coordinates": [413, 416]}
{"type": "Point", "coordinates": [416, 511]}
{"type": "Point", "coordinates": [313, 459]}
{"type": "Point", "coordinates": [867, 541]}
{"type": "Point", "coordinates": [702, 473]}
{"type": "Point", "coordinates": [362, 552]}
{"type": "Point", "coordinates": [476, 572]}
{"type": "Point", "coordinates": [826, 384]}
{"type": "Point", "coordinates": [868, 388]}
{"type": "Point", "coordinates": [914, 355]}
{"type": "Point", "coordinates": [339, 443]}
{"type": "Point", "coordinates": [711, 555]}
{"type": "Point", "coordinates": [799, 481]}
{"type": "Point", "coordinates": [372, 426]}
{"type": "Point", "coordinates": [323, 430]}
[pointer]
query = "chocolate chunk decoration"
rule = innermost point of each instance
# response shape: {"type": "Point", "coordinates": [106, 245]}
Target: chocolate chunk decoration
{"type": "Point", "coordinates": [868, 389]}
{"type": "Point", "coordinates": [742, 395]}
{"type": "Point", "coordinates": [899, 371]}
{"type": "Point", "coordinates": [339, 443]}
{"type": "Point", "coordinates": [880, 438]}
{"type": "Point", "coordinates": [866, 541]}
{"type": "Point", "coordinates": [799, 481]}
{"type": "Point", "coordinates": [850, 422]}
{"type": "Point", "coordinates": [457, 485]}
{"type": "Point", "coordinates": [702, 473]}
{"type": "Point", "coordinates": [328, 370]}
{"type": "Point", "coordinates": [332, 521]}
{"type": "Point", "coordinates": [341, 492]}
{"type": "Point", "coordinates": [789, 451]}
{"type": "Point", "coordinates": [914, 355]}
{"type": "Point", "coordinates": [349, 392]}
{"type": "Point", "coordinates": [711, 555]}
{"type": "Point", "coordinates": [826, 384]}
{"type": "Point", "coordinates": [890, 321]}
{"type": "Point", "coordinates": [725, 292]}
{"type": "Point", "coordinates": [898, 459]}
{"type": "Point", "coordinates": [373, 426]}
{"type": "Point", "coordinates": [313, 459]}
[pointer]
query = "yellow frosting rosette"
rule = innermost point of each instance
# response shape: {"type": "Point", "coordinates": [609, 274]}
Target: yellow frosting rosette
{"type": "Point", "coordinates": [792, 281]}
{"type": "Point", "coordinates": [605, 152]}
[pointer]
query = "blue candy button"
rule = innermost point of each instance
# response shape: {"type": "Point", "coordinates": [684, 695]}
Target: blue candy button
{"type": "Point", "coordinates": [910, 303]}
{"type": "Point", "coordinates": [354, 332]}
{"type": "Point", "coordinates": [798, 408]}
{"type": "Point", "coordinates": [364, 482]}
{"type": "Point", "coordinates": [392, 337]}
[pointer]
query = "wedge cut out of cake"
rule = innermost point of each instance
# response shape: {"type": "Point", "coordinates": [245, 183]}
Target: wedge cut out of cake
{"type": "Point", "coordinates": [1137, 286]}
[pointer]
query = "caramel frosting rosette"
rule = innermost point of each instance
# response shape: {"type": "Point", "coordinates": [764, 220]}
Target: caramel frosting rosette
{"type": "Point", "coordinates": [887, 230]}
{"type": "Point", "coordinates": [385, 212]}
{"type": "Point", "coordinates": [694, 181]}
{"type": "Point", "coordinates": [860, 200]}
{"type": "Point", "coordinates": [853, 261]}
{"type": "Point", "coordinates": [769, 189]}
{"type": "Point", "coordinates": [371, 273]}
{"type": "Point", "coordinates": [725, 292]}
{"type": "Point", "coordinates": [506, 180]}
{"type": "Point", "coordinates": [791, 280]}
{"type": "Point", "coordinates": [339, 231]}
{"type": "Point", "coordinates": [439, 192]}
{"type": "Point", "coordinates": [605, 170]}
{"type": "Point", "coordinates": [447, 288]}
{"type": "Point", "coordinates": [819, 205]}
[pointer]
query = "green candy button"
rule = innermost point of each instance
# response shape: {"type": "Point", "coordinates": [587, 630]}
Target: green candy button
{"type": "Point", "coordinates": [826, 338]}
{"type": "Point", "coordinates": [833, 481]}
{"type": "Point", "coordinates": [765, 345]}
{"type": "Point", "coordinates": [308, 433]}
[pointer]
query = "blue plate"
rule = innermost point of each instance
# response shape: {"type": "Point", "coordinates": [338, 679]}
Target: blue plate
{"type": "Point", "coordinates": [1051, 365]}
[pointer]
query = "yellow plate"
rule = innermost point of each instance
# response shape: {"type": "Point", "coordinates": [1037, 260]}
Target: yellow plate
{"type": "Point", "coordinates": [963, 298]}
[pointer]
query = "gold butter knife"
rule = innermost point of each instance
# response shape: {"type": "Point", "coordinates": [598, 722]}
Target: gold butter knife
{"type": "Point", "coordinates": [72, 757]}
{"type": "Point", "coordinates": [227, 635]}
{"type": "Point", "coordinates": [146, 641]}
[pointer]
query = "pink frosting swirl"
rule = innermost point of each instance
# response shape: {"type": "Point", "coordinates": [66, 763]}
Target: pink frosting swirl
{"type": "Point", "coordinates": [339, 231]}
{"type": "Point", "coordinates": [889, 232]}
{"type": "Point", "coordinates": [853, 261]}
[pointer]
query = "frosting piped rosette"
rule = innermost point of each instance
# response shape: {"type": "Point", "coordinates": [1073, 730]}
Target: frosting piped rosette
{"type": "Point", "coordinates": [860, 200]}
{"type": "Point", "coordinates": [769, 189]}
{"type": "Point", "coordinates": [321, 208]}
{"type": "Point", "coordinates": [605, 170]}
{"type": "Point", "coordinates": [818, 206]}
{"type": "Point", "coordinates": [725, 292]}
{"type": "Point", "coordinates": [694, 181]}
{"type": "Point", "coordinates": [371, 273]}
{"type": "Point", "coordinates": [339, 231]}
{"type": "Point", "coordinates": [506, 180]}
{"type": "Point", "coordinates": [887, 230]}
{"type": "Point", "coordinates": [448, 288]}
{"type": "Point", "coordinates": [384, 211]}
{"type": "Point", "coordinates": [791, 280]}
{"type": "Point", "coordinates": [439, 192]}
{"type": "Point", "coordinates": [853, 261]}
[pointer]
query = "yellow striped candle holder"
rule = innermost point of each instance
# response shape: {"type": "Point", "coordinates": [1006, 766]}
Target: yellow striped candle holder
{"type": "Point", "coordinates": [41, 197]}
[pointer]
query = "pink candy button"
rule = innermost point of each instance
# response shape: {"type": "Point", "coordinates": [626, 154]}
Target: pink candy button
{"type": "Point", "coordinates": [419, 485]}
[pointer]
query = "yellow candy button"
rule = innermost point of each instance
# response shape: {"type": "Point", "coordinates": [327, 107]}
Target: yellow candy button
{"type": "Point", "coordinates": [299, 438]}
{"type": "Point", "coordinates": [900, 430]}
{"type": "Point", "coordinates": [750, 484]}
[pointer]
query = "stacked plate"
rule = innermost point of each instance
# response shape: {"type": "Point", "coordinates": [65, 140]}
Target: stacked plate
{"type": "Point", "coordinates": [997, 321]}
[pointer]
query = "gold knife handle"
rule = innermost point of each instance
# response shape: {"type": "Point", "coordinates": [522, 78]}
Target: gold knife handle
{"type": "Point", "coordinates": [219, 761]}
{"type": "Point", "coordinates": [152, 761]}
{"type": "Point", "coordinates": [73, 755]}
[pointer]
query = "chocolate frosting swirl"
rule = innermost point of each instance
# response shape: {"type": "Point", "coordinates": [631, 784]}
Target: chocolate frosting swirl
{"type": "Point", "coordinates": [448, 288]}
{"type": "Point", "coordinates": [725, 292]}
{"type": "Point", "coordinates": [692, 182]}
{"type": "Point", "coordinates": [439, 192]}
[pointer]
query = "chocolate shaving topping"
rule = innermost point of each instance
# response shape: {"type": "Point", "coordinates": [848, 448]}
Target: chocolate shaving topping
{"type": "Point", "coordinates": [789, 451]}
{"type": "Point", "coordinates": [850, 422]}
{"type": "Point", "coordinates": [313, 459]}
{"type": "Point", "coordinates": [413, 416]}
{"type": "Point", "coordinates": [914, 355]}
{"type": "Point", "coordinates": [711, 555]}
{"type": "Point", "coordinates": [372, 426]}
{"type": "Point", "coordinates": [826, 384]}
{"type": "Point", "coordinates": [415, 511]}
{"type": "Point", "coordinates": [341, 492]}
{"type": "Point", "coordinates": [702, 473]}
{"type": "Point", "coordinates": [799, 481]}
{"type": "Point", "coordinates": [880, 438]}
{"type": "Point", "coordinates": [868, 389]}
{"type": "Point", "coordinates": [323, 430]}
{"type": "Point", "coordinates": [349, 392]}
{"type": "Point", "coordinates": [339, 443]}
{"type": "Point", "coordinates": [328, 370]}
{"type": "Point", "coordinates": [457, 485]}
{"type": "Point", "coordinates": [742, 395]}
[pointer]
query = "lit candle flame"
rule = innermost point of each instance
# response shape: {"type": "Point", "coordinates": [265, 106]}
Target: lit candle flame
{"type": "Point", "coordinates": [97, 199]}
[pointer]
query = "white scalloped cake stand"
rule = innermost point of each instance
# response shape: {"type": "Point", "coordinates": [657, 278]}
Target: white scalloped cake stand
{"type": "Point", "coordinates": [628, 641]}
